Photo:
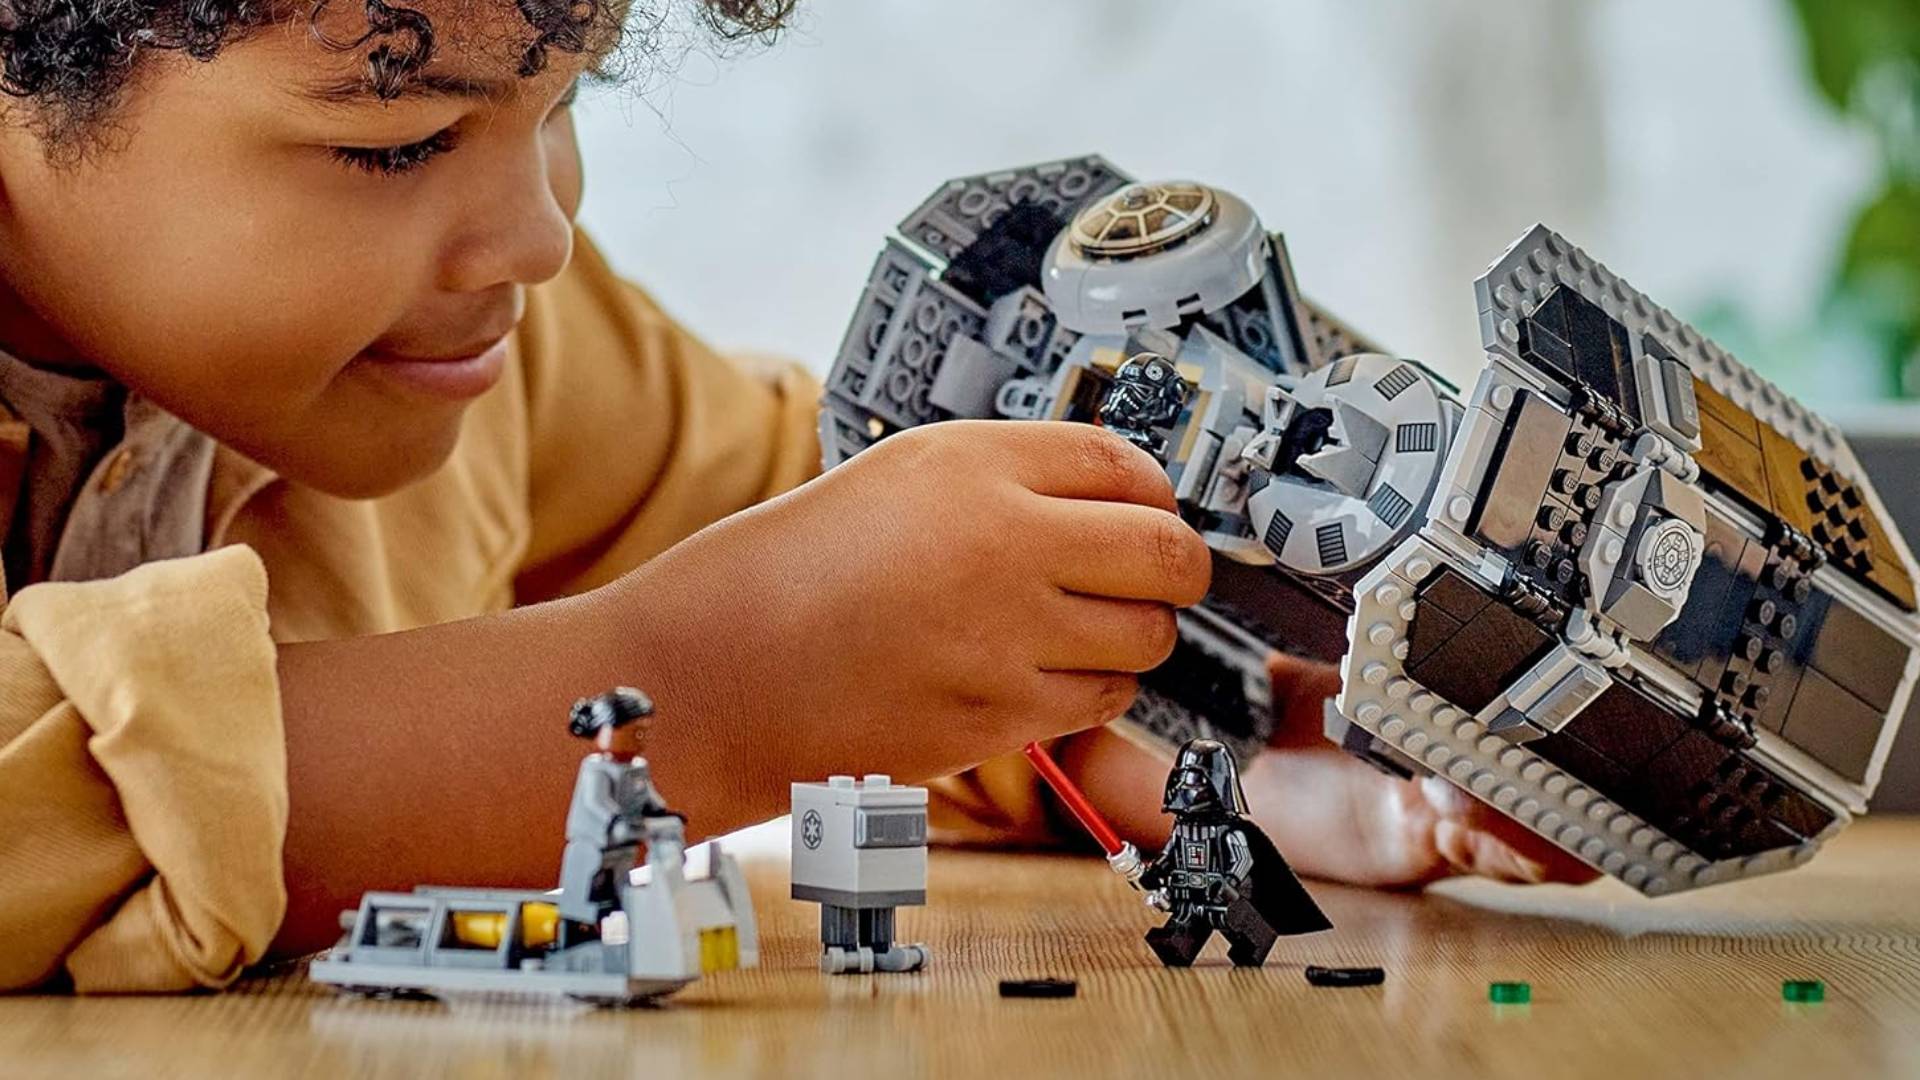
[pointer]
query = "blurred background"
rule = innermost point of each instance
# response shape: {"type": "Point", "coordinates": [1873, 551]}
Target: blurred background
{"type": "Point", "coordinates": [1753, 164]}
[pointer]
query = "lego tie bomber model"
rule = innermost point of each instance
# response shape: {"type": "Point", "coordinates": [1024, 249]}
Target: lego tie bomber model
{"type": "Point", "coordinates": [1626, 591]}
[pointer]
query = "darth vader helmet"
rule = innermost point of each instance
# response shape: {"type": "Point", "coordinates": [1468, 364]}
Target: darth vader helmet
{"type": "Point", "coordinates": [1204, 779]}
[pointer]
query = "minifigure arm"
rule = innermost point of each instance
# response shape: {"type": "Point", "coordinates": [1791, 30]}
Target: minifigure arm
{"type": "Point", "coordinates": [1156, 872]}
{"type": "Point", "coordinates": [1240, 861]}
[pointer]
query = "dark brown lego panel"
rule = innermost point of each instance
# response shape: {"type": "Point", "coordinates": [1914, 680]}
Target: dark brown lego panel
{"type": "Point", "coordinates": [1626, 726]}
{"type": "Point", "coordinates": [1856, 653]}
{"type": "Point", "coordinates": [1481, 658]}
{"type": "Point", "coordinates": [1838, 729]}
{"type": "Point", "coordinates": [1717, 800]}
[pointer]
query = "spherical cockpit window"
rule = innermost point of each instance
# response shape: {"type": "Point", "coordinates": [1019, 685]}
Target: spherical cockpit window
{"type": "Point", "coordinates": [1142, 218]}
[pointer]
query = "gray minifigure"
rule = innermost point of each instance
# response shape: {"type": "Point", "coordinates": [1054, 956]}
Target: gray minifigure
{"type": "Point", "coordinates": [1147, 394]}
{"type": "Point", "coordinates": [612, 797]}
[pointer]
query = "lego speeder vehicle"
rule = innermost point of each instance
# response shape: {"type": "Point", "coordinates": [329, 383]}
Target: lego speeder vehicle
{"type": "Point", "coordinates": [602, 937]}
{"type": "Point", "coordinates": [1626, 591]}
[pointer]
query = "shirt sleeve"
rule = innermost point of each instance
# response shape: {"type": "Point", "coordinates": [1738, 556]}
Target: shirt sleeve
{"type": "Point", "coordinates": [142, 757]}
{"type": "Point", "coordinates": [640, 433]}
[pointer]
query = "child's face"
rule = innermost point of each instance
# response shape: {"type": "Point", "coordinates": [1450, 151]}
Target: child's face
{"type": "Point", "coordinates": [219, 258]}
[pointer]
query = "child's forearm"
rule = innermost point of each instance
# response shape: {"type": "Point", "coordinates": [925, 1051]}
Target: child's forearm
{"type": "Point", "coordinates": [441, 755]}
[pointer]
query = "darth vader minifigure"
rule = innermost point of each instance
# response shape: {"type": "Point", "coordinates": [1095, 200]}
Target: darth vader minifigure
{"type": "Point", "coordinates": [1219, 871]}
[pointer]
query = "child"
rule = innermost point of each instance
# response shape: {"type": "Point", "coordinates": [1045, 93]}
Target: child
{"type": "Point", "coordinates": [337, 463]}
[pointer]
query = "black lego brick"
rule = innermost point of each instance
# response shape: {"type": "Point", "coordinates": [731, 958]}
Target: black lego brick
{"type": "Point", "coordinates": [1488, 652]}
{"type": "Point", "coordinates": [1787, 640]}
{"type": "Point", "coordinates": [1837, 728]}
{"type": "Point", "coordinates": [1007, 255]}
{"type": "Point", "coordinates": [1627, 726]}
{"type": "Point", "coordinates": [1450, 591]}
{"type": "Point", "coordinates": [1523, 464]}
{"type": "Point", "coordinates": [1854, 651]}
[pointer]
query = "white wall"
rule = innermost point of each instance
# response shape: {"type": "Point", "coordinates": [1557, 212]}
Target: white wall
{"type": "Point", "coordinates": [1400, 147]}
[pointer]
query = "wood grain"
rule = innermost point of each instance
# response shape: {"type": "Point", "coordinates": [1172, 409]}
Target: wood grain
{"type": "Point", "coordinates": [1623, 986]}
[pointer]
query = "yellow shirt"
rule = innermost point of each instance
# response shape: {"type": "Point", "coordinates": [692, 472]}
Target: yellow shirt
{"type": "Point", "coordinates": [143, 795]}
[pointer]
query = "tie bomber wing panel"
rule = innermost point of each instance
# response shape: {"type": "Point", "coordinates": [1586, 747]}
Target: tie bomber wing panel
{"type": "Point", "coordinates": [1626, 592]}
{"type": "Point", "coordinates": [1657, 614]}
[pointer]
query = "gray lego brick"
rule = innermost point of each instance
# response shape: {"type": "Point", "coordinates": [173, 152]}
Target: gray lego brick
{"type": "Point", "coordinates": [871, 898]}
{"type": "Point", "coordinates": [351, 975]}
{"type": "Point", "coordinates": [954, 216]}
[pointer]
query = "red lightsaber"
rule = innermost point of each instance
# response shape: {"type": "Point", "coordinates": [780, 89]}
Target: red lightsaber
{"type": "Point", "coordinates": [1121, 855]}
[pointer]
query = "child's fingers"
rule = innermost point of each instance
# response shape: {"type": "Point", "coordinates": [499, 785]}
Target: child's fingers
{"type": "Point", "coordinates": [1125, 551]}
{"type": "Point", "coordinates": [1090, 634]}
{"type": "Point", "coordinates": [1070, 701]}
{"type": "Point", "coordinates": [1080, 461]}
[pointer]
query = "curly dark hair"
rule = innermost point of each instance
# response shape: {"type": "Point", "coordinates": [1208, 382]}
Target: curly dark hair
{"type": "Point", "coordinates": [71, 60]}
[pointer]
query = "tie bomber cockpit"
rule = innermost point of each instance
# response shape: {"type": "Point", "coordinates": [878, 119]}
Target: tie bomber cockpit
{"type": "Point", "coordinates": [1627, 592]}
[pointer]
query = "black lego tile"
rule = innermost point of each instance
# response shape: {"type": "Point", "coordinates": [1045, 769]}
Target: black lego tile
{"type": "Point", "coordinates": [1593, 768]}
{"type": "Point", "coordinates": [1430, 629]}
{"type": "Point", "coordinates": [1854, 651]}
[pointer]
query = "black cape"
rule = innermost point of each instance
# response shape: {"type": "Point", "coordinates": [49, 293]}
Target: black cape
{"type": "Point", "coordinates": [1274, 892]}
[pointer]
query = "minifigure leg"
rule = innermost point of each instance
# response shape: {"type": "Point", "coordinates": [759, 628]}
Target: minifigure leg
{"type": "Point", "coordinates": [840, 926]}
{"type": "Point", "coordinates": [578, 869]}
{"type": "Point", "coordinates": [1180, 940]}
{"type": "Point", "coordinates": [1249, 937]}
{"type": "Point", "coordinates": [876, 928]}
{"type": "Point", "coordinates": [590, 880]}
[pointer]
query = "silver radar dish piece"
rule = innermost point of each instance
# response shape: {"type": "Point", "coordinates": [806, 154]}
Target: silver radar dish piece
{"type": "Point", "coordinates": [1352, 452]}
{"type": "Point", "coordinates": [1205, 248]}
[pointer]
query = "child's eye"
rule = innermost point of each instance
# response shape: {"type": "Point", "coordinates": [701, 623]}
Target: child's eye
{"type": "Point", "coordinates": [394, 160]}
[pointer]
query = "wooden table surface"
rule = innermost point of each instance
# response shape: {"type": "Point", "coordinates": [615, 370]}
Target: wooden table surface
{"type": "Point", "coordinates": [1622, 986]}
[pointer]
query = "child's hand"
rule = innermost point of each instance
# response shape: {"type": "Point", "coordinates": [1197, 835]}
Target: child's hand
{"type": "Point", "coordinates": [947, 595]}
